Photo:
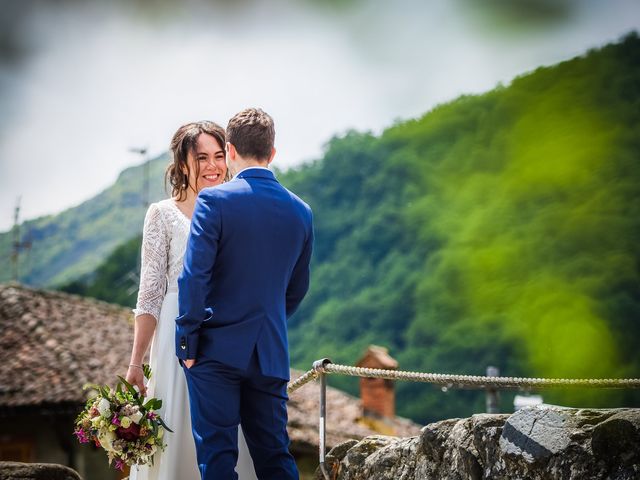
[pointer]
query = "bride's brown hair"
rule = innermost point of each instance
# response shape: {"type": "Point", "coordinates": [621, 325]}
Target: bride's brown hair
{"type": "Point", "coordinates": [183, 142]}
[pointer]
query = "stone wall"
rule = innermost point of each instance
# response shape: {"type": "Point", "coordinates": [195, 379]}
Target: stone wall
{"type": "Point", "coordinates": [36, 471]}
{"type": "Point", "coordinates": [533, 443]}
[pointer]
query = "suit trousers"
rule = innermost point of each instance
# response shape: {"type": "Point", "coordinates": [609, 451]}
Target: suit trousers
{"type": "Point", "coordinates": [221, 398]}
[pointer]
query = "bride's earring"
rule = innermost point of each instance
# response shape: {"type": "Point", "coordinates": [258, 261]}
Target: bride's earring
{"type": "Point", "coordinates": [184, 181]}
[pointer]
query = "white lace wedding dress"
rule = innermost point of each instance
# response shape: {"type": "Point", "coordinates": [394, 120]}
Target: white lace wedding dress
{"type": "Point", "coordinates": [166, 230]}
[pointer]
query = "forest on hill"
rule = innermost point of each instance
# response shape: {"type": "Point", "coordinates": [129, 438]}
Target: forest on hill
{"type": "Point", "coordinates": [73, 243]}
{"type": "Point", "coordinates": [498, 229]}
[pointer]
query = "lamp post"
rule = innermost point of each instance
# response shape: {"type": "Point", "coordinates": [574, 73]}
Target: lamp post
{"type": "Point", "coordinates": [142, 151]}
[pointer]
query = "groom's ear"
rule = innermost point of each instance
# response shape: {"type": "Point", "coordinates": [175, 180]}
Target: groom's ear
{"type": "Point", "coordinates": [273, 154]}
{"type": "Point", "coordinates": [231, 150]}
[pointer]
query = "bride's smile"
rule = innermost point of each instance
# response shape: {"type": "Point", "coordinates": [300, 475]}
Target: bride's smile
{"type": "Point", "coordinates": [212, 178]}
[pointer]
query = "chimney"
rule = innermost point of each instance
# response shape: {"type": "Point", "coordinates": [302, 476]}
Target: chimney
{"type": "Point", "coordinates": [377, 394]}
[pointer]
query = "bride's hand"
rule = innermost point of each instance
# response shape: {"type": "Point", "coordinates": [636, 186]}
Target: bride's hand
{"type": "Point", "coordinates": [135, 377]}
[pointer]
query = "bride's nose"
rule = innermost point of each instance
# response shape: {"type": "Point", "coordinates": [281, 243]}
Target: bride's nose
{"type": "Point", "coordinates": [211, 163]}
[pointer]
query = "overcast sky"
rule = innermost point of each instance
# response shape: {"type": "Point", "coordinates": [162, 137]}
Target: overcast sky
{"type": "Point", "coordinates": [83, 81]}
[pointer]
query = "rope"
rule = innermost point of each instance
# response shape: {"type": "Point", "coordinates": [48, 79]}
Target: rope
{"type": "Point", "coordinates": [302, 380]}
{"type": "Point", "coordinates": [465, 381]}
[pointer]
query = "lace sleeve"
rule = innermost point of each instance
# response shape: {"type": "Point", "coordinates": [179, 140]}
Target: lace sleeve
{"type": "Point", "coordinates": [153, 270]}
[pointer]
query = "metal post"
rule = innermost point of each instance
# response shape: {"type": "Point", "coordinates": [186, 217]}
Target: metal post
{"type": "Point", "coordinates": [15, 255]}
{"type": "Point", "coordinates": [493, 396]}
{"type": "Point", "coordinates": [145, 185]}
{"type": "Point", "coordinates": [18, 245]}
{"type": "Point", "coordinates": [318, 366]}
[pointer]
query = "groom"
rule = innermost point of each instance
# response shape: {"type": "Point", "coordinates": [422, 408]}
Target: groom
{"type": "Point", "coordinates": [246, 270]}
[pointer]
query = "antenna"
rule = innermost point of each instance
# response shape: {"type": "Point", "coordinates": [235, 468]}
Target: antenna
{"type": "Point", "coordinates": [18, 245]}
{"type": "Point", "coordinates": [142, 151]}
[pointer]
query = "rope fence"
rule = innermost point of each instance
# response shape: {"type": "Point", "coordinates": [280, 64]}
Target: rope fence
{"type": "Point", "coordinates": [462, 381]}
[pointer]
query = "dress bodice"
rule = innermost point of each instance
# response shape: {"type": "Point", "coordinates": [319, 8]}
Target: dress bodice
{"type": "Point", "coordinates": [164, 241]}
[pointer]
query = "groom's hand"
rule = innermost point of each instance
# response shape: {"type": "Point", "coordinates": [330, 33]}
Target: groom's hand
{"type": "Point", "coordinates": [189, 363]}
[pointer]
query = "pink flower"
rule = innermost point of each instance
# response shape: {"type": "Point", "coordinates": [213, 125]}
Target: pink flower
{"type": "Point", "coordinates": [119, 465]}
{"type": "Point", "coordinates": [151, 416]}
{"type": "Point", "coordinates": [82, 435]}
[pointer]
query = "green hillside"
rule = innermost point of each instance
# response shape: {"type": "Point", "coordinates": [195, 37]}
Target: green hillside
{"type": "Point", "coordinates": [498, 229]}
{"type": "Point", "coordinates": [74, 242]}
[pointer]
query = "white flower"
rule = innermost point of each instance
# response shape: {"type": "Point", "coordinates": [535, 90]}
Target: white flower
{"type": "Point", "coordinates": [104, 407]}
{"type": "Point", "coordinates": [136, 417]}
{"type": "Point", "coordinates": [96, 421]}
{"type": "Point", "coordinates": [106, 438]}
{"type": "Point", "coordinates": [125, 422]}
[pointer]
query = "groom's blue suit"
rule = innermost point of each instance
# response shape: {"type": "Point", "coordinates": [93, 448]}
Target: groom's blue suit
{"type": "Point", "coordinates": [246, 270]}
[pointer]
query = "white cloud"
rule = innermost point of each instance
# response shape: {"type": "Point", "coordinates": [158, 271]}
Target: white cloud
{"type": "Point", "coordinates": [103, 79]}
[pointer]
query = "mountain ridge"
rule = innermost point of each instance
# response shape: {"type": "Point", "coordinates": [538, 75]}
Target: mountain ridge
{"type": "Point", "coordinates": [97, 226]}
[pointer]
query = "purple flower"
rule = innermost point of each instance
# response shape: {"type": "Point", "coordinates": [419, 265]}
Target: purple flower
{"type": "Point", "coordinates": [116, 420]}
{"type": "Point", "coordinates": [151, 416]}
{"type": "Point", "coordinates": [82, 435]}
{"type": "Point", "coordinates": [119, 465]}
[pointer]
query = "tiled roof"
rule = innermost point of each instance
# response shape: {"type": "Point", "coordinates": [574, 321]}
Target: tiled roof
{"type": "Point", "coordinates": [52, 343]}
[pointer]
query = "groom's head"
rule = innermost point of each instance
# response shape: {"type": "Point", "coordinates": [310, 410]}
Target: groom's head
{"type": "Point", "coordinates": [250, 137]}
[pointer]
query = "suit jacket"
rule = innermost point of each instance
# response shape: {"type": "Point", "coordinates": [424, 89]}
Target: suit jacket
{"type": "Point", "coordinates": [246, 270]}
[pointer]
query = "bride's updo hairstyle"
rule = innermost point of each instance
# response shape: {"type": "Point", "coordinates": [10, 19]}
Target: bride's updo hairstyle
{"type": "Point", "coordinates": [183, 142]}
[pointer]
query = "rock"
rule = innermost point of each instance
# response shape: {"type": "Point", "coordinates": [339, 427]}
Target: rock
{"type": "Point", "coordinates": [433, 438]}
{"type": "Point", "coordinates": [36, 471]}
{"type": "Point", "coordinates": [537, 443]}
{"type": "Point", "coordinates": [616, 441]}
{"type": "Point", "coordinates": [535, 435]}
{"type": "Point", "coordinates": [332, 460]}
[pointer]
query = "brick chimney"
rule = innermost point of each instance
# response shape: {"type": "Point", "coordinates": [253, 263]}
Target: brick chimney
{"type": "Point", "coordinates": [377, 394]}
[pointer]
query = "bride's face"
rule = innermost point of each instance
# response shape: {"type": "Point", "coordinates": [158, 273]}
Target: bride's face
{"type": "Point", "coordinates": [207, 165]}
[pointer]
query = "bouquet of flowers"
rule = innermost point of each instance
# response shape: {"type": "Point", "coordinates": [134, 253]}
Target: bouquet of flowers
{"type": "Point", "coordinates": [123, 423]}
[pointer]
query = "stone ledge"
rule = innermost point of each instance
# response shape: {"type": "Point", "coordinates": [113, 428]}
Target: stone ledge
{"type": "Point", "coordinates": [533, 443]}
{"type": "Point", "coordinates": [36, 471]}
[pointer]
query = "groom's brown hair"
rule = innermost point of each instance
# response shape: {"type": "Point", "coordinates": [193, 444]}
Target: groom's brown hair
{"type": "Point", "coordinates": [252, 133]}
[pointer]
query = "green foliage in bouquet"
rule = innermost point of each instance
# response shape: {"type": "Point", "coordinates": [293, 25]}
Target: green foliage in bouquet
{"type": "Point", "coordinates": [123, 423]}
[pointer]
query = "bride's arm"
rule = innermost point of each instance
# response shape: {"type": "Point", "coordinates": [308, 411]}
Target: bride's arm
{"type": "Point", "coordinates": [153, 279]}
{"type": "Point", "coordinates": [145, 326]}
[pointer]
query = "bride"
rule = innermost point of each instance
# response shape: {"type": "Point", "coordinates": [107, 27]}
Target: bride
{"type": "Point", "coordinates": [198, 162]}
